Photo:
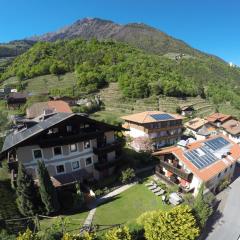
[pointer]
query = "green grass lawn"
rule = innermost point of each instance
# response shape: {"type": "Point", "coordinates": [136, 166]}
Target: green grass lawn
{"type": "Point", "coordinates": [112, 117]}
{"type": "Point", "coordinates": [73, 222]}
{"type": "Point", "coordinates": [128, 206]}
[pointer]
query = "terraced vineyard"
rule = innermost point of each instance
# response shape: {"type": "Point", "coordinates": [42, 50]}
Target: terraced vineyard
{"type": "Point", "coordinates": [117, 105]}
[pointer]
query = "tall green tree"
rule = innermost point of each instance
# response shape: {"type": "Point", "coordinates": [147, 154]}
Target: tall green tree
{"type": "Point", "coordinates": [26, 193]}
{"type": "Point", "coordinates": [177, 223]}
{"type": "Point", "coordinates": [47, 191]}
{"type": "Point", "coordinates": [202, 208]}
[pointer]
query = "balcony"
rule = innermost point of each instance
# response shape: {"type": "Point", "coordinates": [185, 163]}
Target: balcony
{"type": "Point", "coordinates": [106, 165]}
{"type": "Point", "coordinates": [67, 139]}
{"type": "Point", "coordinates": [166, 128]}
{"type": "Point", "coordinates": [179, 172]}
{"type": "Point", "coordinates": [105, 148]}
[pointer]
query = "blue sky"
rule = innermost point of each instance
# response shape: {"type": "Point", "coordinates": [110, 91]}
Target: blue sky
{"type": "Point", "coordinates": [209, 25]}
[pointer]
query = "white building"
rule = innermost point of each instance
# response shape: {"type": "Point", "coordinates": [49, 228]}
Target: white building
{"type": "Point", "coordinates": [160, 128]}
{"type": "Point", "coordinates": [207, 162]}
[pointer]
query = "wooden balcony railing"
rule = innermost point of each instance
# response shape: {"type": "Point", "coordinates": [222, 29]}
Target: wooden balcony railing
{"type": "Point", "coordinates": [179, 172]}
{"type": "Point", "coordinates": [105, 148]}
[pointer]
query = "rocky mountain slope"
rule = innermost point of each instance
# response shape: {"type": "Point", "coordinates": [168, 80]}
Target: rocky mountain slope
{"type": "Point", "coordinates": [137, 34]}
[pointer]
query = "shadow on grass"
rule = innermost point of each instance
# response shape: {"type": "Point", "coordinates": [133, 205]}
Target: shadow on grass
{"type": "Point", "coordinates": [104, 201]}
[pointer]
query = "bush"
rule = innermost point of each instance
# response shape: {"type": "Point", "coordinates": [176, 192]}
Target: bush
{"type": "Point", "coordinates": [121, 233]}
{"type": "Point", "coordinates": [224, 183]}
{"type": "Point", "coordinates": [128, 175]}
{"type": "Point", "coordinates": [5, 236]}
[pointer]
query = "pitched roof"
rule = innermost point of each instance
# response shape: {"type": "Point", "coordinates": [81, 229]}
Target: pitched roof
{"type": "Point", "coordinates": [147, 117]}
{"type": "Point", "coordinates": [190, 107]}
{"type": "Point", "coordinates": [38, 109]}
{"type": "Point", "coordinates": [211, 170]}
{"type": "Point", "coordinates": [17, 95]}
{"type": "Point", "coordinates": [218, 117]}
{"type": "Point", "coordinates": [232, 126]}
{"type": "Point", "coordinates": [15, 138]}
{"type": "Point", "coordinates": [196, 123]}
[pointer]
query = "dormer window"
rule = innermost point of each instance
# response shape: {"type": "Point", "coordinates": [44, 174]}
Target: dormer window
{"type": "Point", "coordinates": [69, 128]}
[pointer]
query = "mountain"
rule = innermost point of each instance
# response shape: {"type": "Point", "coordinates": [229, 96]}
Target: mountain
{"type": "Point", "coordinates": [14, 48]}
{"type": "Point", "coordinates": [137, 34]}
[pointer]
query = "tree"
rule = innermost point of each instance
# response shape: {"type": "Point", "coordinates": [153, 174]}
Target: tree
{"type": "Point", "coordinates": [121, 233]}
{"type": "Point", "coordinates": [47, 191]}
{"type": "Point", "coordinates": [177, 223]}
{"type": "Point", "coordinates": [202, 208]}
{"type": "Point", "coordinates": [128, 175]}
{"type": "Point", "coordinates": [26, 193]}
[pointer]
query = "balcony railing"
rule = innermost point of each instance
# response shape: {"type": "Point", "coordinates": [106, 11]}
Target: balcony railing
{"type": "Point", "coordinates": [106, 165]}
{"type": "Point", "coordinates": [107, 147]}
{"type": "Point", "coordinates": [178, 172]}
{"type": "Point", "coordinates": [62, 140]}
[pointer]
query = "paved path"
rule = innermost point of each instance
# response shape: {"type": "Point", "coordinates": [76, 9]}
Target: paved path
{"type": "Point", "coordinates": [101, 200]}
{"type": "Point", "coordinates": [227, 226]}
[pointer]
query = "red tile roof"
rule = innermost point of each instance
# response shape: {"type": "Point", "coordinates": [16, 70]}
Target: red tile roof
{"type": "Point", "coordinates": [38, 109]}
{"type": "Point", "coordinates": [145, 117]}
{"type": "Point", "coordinates": [210, 171]}
{"type": "Point", "coordinates": [218, 117]}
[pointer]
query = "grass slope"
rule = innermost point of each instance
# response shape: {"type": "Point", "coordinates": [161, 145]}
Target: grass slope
{"type": "Point", "coordinates": [129, 205]}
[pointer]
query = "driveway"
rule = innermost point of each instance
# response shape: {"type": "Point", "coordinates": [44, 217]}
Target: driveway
{"type": "Point", "coordinates": [226, 224]}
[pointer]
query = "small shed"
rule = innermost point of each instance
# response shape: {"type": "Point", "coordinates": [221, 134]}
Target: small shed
{"type": "Point", "coordinates": [187, 110]}
{"type": "Point", "coordinates": [16, 99]}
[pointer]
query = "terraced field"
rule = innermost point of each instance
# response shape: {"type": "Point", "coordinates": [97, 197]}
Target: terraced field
{"type": "Point", "coordinates": [117, 105]}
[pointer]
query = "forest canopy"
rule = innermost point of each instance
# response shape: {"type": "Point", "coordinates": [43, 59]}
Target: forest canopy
{"type": "Point", "coordinates": [96, 63]}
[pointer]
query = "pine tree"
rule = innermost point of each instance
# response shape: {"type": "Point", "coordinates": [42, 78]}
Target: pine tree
{"type": "Point", "coordinates": [26, 193]}
{"type": "Point", "coordinates": [202, 209]}
{"type": "Point", "coordinates": [47, 191]}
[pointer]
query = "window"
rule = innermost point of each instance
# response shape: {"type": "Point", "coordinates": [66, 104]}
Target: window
{"type": "Point", "coordinates": [73, 147]}
{"type": "Point", "coordinates": [57, 151]}
{"type": "Point", "coordinates": [75, 165]}
{"type": "Point", "coordinates": [88, 161]}
{"type": "Point", "coordinates": [225, 170]}
{"type": "Point", "coordinates": [86, 144]}
{"type": "Point", "coordinates": [69, 128]}
{"type": "Point", "coordinates": [60, 169]}
{"type": "Point", "coordinates": [219, 175]}
{"type": "Point", "coordinates": [37, 154]}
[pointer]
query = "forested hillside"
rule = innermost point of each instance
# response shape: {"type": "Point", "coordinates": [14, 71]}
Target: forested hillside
{"type": "Point", "coordinates": [96, 63]}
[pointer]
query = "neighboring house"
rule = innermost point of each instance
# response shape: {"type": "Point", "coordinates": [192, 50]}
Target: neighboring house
{"type": "Point", "coordinates": [231, 128]}
{"type": "Point", "coordinates": [187, 110]}
{"type": "Point", "coordinates": [217, 119]}
{"type": "Point", "coordinates": [40, 108]}
{"type": "Point", "coordinates": [70, 100]}
{"type": "Point", "coordinates": [16, 99]}
{"type": "Point", "coordinates": [206, 162]}
{"type": "Point", "coordinates": [5, 91]}
{"type": "Point", "coordinates": [161, 128]}
{"type": "Point", "coordinates": [200, 128]}
{"type": "Point", "coordinates": [73, 147]}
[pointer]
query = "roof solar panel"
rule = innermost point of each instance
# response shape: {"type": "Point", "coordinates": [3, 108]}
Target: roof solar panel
{"type": "Point", "coordinates": [217, 143]}
{"type": "Point", "coordinates": [203, 158]}
{"type": "Point", "coordinates": [162, 116]}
